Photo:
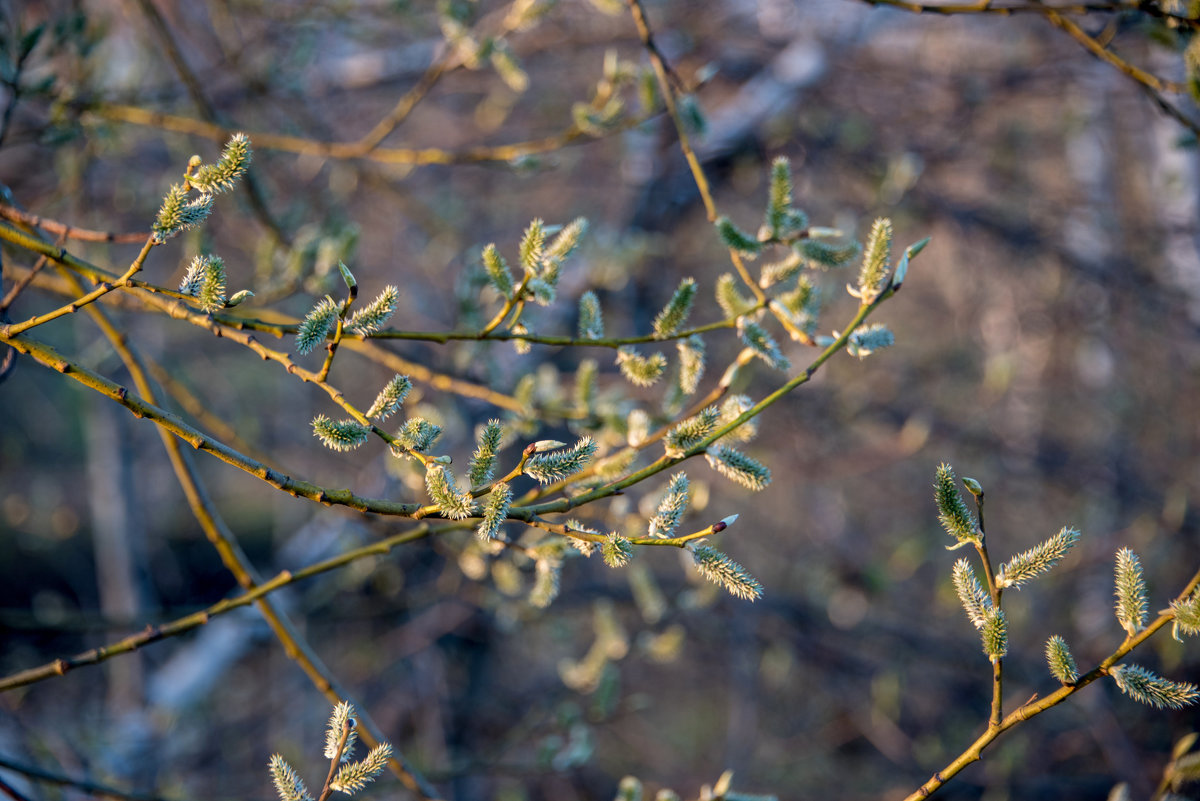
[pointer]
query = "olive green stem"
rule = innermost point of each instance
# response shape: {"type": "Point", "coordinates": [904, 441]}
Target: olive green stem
{"type": "Point", "coordinates": [1035, 707]}
{"type": "Point", "coordinates": [530, 512]}
{"type": "Point", "coordinates": [102, 289]}
{"type": "Point", "coordinates": [193, 621]}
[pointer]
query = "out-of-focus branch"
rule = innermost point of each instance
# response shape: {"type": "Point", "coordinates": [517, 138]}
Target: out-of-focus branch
{"type": "Point", "coordinates": [238, 564]}
{"type": "Point", "coordinates": [187, 623]}
{"type": "Point", "coordinates": [1058, 15]}
{"type": "Point", "coordinates": [351, 150]}
{"type": "Point", "coordinates": [83, 785]}
{"type": "Point", "coordinates": [66, 231]}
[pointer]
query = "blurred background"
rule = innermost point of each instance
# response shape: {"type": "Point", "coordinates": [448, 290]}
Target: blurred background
{"type": "Point", "coordinates": [1046, 346]}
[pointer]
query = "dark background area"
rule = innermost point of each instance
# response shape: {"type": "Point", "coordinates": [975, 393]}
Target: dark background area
{"type": "Point", "coordinates": [1046, 345]}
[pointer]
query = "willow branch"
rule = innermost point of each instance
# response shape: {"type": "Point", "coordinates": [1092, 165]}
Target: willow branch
{"type": "Point", "coordinates": [662, 74]}
{"type": "Point", "coordinates": [338, 150]}
{"type": "Point", "coordinates": [22, 283]}
{"type": "Point", "coordinates": [49, 357]}
{"type": "Point", "coordinates": [339, 329]}
{"type": "Point", "coordinates": [326, 790]}
{"type": "Point", "coordinates": [238, 564]}
{"type": "Point", "coordinates": [190, 622]}
{"type": "Point", "coordinates": [67, 231]}
{"type": "Point", "coordinates": [102, 289]}
{"type": "Point", "coordinates": [222, 324]}
{"type": "Point", "coordinates": [250, 183]}
{"type": "Point", "coordinates": [1035, 707]}
{"type": "Point", "coordinates": [196, 407]}
{"type": "Point", "coordinates": [1104, 54]}
{"type": "Point", "coordinates": [714, 395]}
{"type": "Point", "coordinates": [1057, 16]}
{"type": "Point", "coordinates": [84, 785]}
{"type": "Point", "coordinates": [5, 787]}
{"type": "Point", "coordinates": [1009, 9]}
{"type": "Point", "coordinates": [531, 512]}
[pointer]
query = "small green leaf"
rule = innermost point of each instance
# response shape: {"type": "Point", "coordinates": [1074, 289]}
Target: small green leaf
{"type": "Point", "coordinates": [557, 465]}
{"type": "Point", "coordinates": [390, 398]}
{"type": "Point", "coordinates": [339, 435]}
{"type": "Point", "coordinates": [616, 550]}
{"type": "Point", "coordinates": [375, 314]}
{"type": "Point", "coordinates": [735, 238]}
{"type": "Point", "coordinates": [1062, 664]}
{"type": "Point", "coordinates": [720, 569]}
{"type": "Point", "coordinates": [738, 467]}
{"type": "Point", "coordinates": [212, 179]}
{"type": "Point", "coordinates": [1143, 685]}
{"type": "Point", "coordinates": [591, 321]}
{"type": "Point", "coordinates": [952, 510]}
{"type": "Point", "coordinates": [239, 297]}
{"type": "Point", "coordinates": [1130, 591]}
{"type": "Point", "coordinates": [317, 324]}
{"type": "Point", "coordinates": [676, 312]}
{"type": "Point", "coordinates": [640, 370]}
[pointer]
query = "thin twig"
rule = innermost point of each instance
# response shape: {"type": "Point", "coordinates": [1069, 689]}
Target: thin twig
{"type": "Point", "coordinates": [664, 462]}
{"type": "Point", "coordinates": [11, 296]}
{"type": "Point", "coordinates": [1154, 86]}
{"type": "Point", "coordinates": [334, 761]}
{"type": "Point", "coordinates": [100, 291]}
{"type": "Point", "coordinates": [342, 150]}
{"type": "Point", "coordinates": [1008, 9]}
{"type": "Point", "coordinates": [250, 184]}
{"type": "Point", "coordinates": [193, 621]}
{"type": "Point", "coordinates": [1034, 707]}
{"type": "Point", "coordinates": [1104, 54]}
{"type": "Point", "coordinates": [222, 325]}
{"type": "Point", "coordinates": [332, 346]}
{"type": "Point", "coordinates": [83, 785]}
{"type": "Point", "coordinates": [662, 73]}
{"type": "Point", "coordinates": [67, 231]}
{"type": "Point", "coordinates": [49, 357]}
{"type": "Point", "coordinates": [236, 561]}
